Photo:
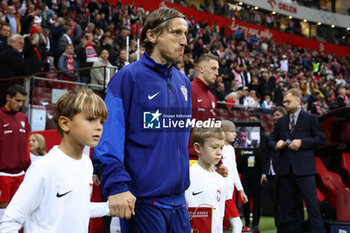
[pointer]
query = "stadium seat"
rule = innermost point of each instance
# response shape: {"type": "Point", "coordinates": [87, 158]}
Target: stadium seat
{"type": "Point", "coordinates": [328, 182]}
{"type": "Point", "coordinates": [345, 168]}
{"type": "Point", "coordinates": [42, 95]}
{"type": "Point", "coordinates": [222, 114]}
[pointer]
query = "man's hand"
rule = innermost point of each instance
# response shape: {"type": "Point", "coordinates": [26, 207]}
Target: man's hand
{"type": "Point", "coordinates": [295, 144]}
{"type": "Point", "coordinates": [122, 205]}
{"type": "Point", "coordinates": [263, 180]}
{"type": "Point", "coordinates": [243, 196]}
{"type": "Point", "coordinates": [280, 145]}
{"type": "Point", "coordinates": [222, 170]}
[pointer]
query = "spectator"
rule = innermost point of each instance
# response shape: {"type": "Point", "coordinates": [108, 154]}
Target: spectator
{"type": "Point", "coordinates": [5, 32]}
{"type": "Point", "coordinates": [13, 19]}
{"type": "Point", "coordinates": [219, 92]}
{"type": "Point", "coordinates": [267, 103]}
{"type": "Point", "coordinates": [87, 55]}
{"type": "Point", "coordinates": [159, 187]}
{"type": "Point", "coordinates": [64, 39]}
{"type": "Point", "coordinates": [245, 76]}
{"type": "Point", "coordinates": [284, 66]}
{"type": "Point", "coordinates": [342, 100]}
{"type": "Point", "coordinates": [225, 71]}
{"type": "Point", "coordinates": [11, 61]}
{"type": "Point", "coordinates": [46, 14]}
{"type": "Point", "coordinates": [37, 146]}
{"type": "Point", "coordinates": [266, 85]}
{"type": "Point", "coordinates": [278, 94]}
{"type": "Point", "coordinates": [34, 51]}
{"type": "Point", "coordinates": [56, 31]}
{"type": "Point", "coordinates": [68, 63]}
{"type": "Point", "coordinates": [75, 32]}
{"type": "Point", "coordinates": [30, 20]}
{"type": "Point", "coordinates": [14, 130]}
{"type": "Point", "coordinates": [252, 100]}
{"type": "Point", "coordinates": [136, 29]}
{"type": "Point", "coordinates": [121, 60]}
{"type": "Point", "coordinates": [101, 76]}
{"type": "Point", "coordinates": [244, 98]}
{"type": "Point", "coordinates": [121, 39]}
{"type": "Point", "coordinates": [187, 63]}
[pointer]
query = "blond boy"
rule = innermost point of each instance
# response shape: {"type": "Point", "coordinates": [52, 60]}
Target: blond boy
{"type": "Point", "coordinates": [207, 186]}
{"type": "Point", "coordinates": [55, 193]}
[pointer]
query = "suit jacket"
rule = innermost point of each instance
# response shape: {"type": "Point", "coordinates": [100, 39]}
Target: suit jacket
{"type": "Point", "coordinates": [12, 64]}
{"type": "Point", "coordinates": [308, 129]}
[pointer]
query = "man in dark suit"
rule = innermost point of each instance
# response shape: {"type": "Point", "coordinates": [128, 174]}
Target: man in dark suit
{"type": "Point", "coordinates": [11, 60]}
{"type": "Point", "coordinates": [295, 136]}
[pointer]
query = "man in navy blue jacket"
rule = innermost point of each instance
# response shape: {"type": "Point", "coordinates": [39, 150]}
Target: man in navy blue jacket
{"type": "Point", "coordinates": [143, 150]}
{"type": "Point", "coordinates": [295, 136]}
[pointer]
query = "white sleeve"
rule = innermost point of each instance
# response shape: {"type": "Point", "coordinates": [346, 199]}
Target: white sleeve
{"type": "Point", "coordinates": [99, 209]}
{"type": "Point", "coordinates": [235, 175]}
{"type": "Point", "coordinates": [28, 196]}
{"type": "Point", "coordinates": [9, 225]}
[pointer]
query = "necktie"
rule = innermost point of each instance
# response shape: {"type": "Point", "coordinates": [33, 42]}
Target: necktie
{"type": "Point", "coordinates": [292, 123]}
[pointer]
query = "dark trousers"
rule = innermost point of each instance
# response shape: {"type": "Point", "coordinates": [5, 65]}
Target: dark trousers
{"type": "Point", "coordinates": [292, 188]}
{"type": "Point", "coordinates": [251, 184]}
{"type": "Point", "coordinates": [273, 184]}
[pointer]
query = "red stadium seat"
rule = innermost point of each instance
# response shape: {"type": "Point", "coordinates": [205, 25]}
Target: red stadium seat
{"type": "Point", "coordinates": [328, 182]}
{"type": "Point", "coordinates": [52, 138]}
{"type": "Point", "coordinates": [42, 95]}
{"type": "Point", "coordinates": [345, 167]}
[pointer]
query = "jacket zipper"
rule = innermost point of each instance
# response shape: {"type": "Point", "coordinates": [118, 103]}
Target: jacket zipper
{"type": "Point", "coordinates": [170, 87]}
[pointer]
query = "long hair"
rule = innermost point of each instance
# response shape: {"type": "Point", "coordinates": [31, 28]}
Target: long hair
{"type": "Point", "coordinates": [157, 21]}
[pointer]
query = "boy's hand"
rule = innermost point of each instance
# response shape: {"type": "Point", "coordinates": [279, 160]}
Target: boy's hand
{"type": "Point", "coordinates": [122, 205]}
{"type": "Point", "coordinates": [263, 180]}
{"type": "Point", "coordinates": [243, 196]}
{"type": "Point", "coordinates": [96, 180]}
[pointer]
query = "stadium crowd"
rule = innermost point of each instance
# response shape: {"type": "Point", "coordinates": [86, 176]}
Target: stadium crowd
{"type": "Point", "coordinates": [251, 69]}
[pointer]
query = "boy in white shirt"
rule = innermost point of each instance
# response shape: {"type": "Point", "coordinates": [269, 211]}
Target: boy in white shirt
{"type": "Point", "coordinates": [207, 186]}
{"type": "Point", "coordinates": [55, 194]}
{"type": "Point", "coordinates": [232, 179]}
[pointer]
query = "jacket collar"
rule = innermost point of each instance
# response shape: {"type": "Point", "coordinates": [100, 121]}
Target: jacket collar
{"type": "Point", "coordinates": [160, 68]}
{"type": "Point", "coordinates": [201, 83]}
{"type": "Point", "coordinates": [4, 109]}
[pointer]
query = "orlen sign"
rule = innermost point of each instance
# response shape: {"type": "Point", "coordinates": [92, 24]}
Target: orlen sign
{"type": "Point", "coordinates": [282, 6]}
